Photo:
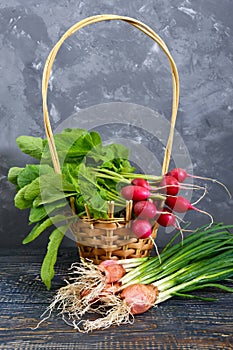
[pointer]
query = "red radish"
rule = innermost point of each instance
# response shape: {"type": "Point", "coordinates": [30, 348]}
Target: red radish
{"type": "Point", "coordinates": [179, 204]}
{"type": "Point", "coordinates": [166, 219]}
{"type": "Point", "coordinates": [171, 185]}
{"type": "Point", "coordinates": [178, 173]}
{"type": "Point", "coordinates": [145, 209]}
{"type": "Point", "coordinates": [136, 193]}
{"type": "Point", "coordinates": [112, 270]}
{"type": "Point", "coordinates": [140, 182]}
{"type": "Point", "coordinates": [140, 297]}
{"type": "Point", "coordinates": [142, 228]}
{"type": "Point", "coordinates": [181, 174]}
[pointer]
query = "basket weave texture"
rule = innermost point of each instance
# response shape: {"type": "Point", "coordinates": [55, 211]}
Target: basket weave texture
{"type": "Point", "coordinates": [109, 239]}
{"type": "Point", "coordinates": [113, 239]}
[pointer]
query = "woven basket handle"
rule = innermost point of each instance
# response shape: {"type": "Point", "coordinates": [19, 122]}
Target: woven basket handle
{"type": "Point", "coordinates": [49, 63]}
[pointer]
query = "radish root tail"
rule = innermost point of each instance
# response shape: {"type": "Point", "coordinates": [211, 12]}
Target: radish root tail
{"type": "Point", "coordinates": [212, 180]}
{"type": "Point", "coordinates": [208, 214]}
{"type": "Point", "coordinates": [200, 198]}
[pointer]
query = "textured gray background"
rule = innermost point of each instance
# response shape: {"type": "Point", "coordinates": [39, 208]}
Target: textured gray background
{"type": "Point", "coordinates": [110, 62]}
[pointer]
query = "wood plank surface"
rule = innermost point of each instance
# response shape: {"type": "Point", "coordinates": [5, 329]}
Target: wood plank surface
{"type": "Point", "coordinates": [175, 324]}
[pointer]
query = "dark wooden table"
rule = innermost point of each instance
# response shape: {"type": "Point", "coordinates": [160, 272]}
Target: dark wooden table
{"type": "Point", "coordinates": [175, 324]}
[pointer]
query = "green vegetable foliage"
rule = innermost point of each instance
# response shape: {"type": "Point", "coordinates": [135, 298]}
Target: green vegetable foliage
{"type": "Point", "coordinates": [91, 173]}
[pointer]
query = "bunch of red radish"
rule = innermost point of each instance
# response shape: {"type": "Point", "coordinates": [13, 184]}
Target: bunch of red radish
{"type": "Point", "coordinates": [144, 198]}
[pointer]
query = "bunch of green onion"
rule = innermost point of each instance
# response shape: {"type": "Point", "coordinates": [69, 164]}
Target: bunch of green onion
{"type": "Point", "coordinates": [203, 259]}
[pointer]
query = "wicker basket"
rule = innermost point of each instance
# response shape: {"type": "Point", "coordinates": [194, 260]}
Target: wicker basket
{"type": "Point", "coordinates": [99, 240]}
{"type": "Point", "coordinates": [113, 239]}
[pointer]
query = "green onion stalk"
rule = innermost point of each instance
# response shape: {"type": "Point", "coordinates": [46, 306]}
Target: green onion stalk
{"type": "Point", "coordinates": [203, 259]}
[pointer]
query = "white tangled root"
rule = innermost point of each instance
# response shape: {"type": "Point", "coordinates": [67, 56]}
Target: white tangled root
{"type": "Point", "coordinates": [87, 294]}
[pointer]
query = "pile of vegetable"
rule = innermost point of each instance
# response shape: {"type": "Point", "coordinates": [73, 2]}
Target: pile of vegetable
{"type": "Point", "coordinates": [117, 290]}
{"type": "Point", "coordinates": [92, 174]}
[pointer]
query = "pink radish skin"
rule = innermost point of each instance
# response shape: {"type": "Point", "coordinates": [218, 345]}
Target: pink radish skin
{"type": "Point", "coordinates": [178, 173]}
{"type": "Point", "coordinates": [170, 184]}
{"type": "Point", "coordinates": [140, 182]}
{"type": "Point", "coordinates": [136, 193]}
{"type": "Point", "coordinates": [166, 219]}
{"type": "Point", "coordinates": [145, 210]}
{"type": "Point", "coordinates": [142, 228]}
{"type": "Point", "coordinates": [179, 204]}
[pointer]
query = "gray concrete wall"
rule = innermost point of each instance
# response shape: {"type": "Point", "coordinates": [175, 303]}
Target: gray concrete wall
{"type": "Point", "coordinates": [110, 62]}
